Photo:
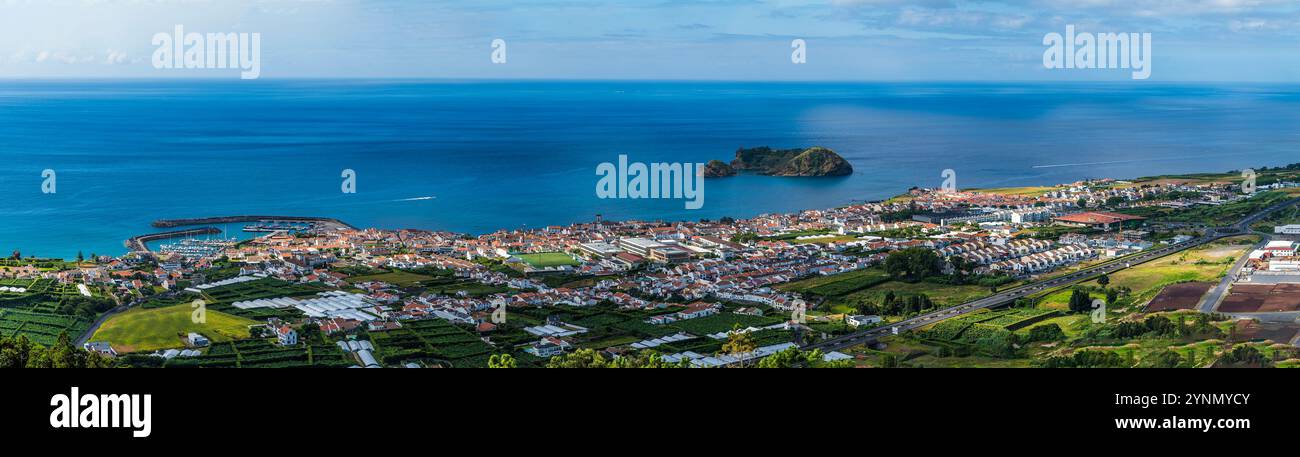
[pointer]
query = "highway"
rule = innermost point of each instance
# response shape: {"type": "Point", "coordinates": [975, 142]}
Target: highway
{"type": "Point", "coordinates": [1010, 295]}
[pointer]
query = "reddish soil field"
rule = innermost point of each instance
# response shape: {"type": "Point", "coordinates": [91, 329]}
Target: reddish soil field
{"type": "Point", "coordinates": [1179, 296]}
{"type": "Point", "coordinates": [1254, 331]}
{"type": "Point", "coordinates": [1262, 299]}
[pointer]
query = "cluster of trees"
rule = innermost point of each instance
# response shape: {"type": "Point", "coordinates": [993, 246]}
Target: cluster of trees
{"type": "Point", "coordinates": [1161, 326]}
{"type": "Point", "coordinates": [994, 341]}
{"type": "Point", "coordinates": [1045, 333]}
{"type": "Point", "coordinates": [1163, 359]}
{"type": "Point", "coordinates": [85, 307]}
{"type": "Point", "coordinates": [912, 264]}
{"type": "Point", "coordinates": [590, 358]}
{"type": "Point", "coordinates": [1244, 356]}
{"type": "Point", "coordinates": [1085, 359]}
{"type": "Point", "coordinates": [794, 358]}
{"type": "Point", "coordinates": [19, 352]}
{"type": "Point", "coordinates": [893, 305]}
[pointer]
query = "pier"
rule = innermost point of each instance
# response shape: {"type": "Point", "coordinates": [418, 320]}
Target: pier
{"type": "Point", "coordinates": [325, 222]}
{"type": "Point", "coordinates": [140, 243]}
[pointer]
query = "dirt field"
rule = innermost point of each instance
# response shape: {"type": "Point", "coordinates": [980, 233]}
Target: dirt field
{"type": "Point", "coordinates": [1246, 298]}
{"type": "Point", "coordinates": [1179, 296]}
{"type": "Point", "coordinates": [1255, 331]}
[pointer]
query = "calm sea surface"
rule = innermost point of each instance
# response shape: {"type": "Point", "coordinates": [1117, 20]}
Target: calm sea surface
{"type": "Point", "coordinates": [477, 156]}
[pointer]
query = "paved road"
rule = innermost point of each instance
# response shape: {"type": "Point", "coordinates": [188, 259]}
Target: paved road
{"type": "Point", "coordinates": [1212, 300]}
{"type": "Point", "coordinates": [1007, 296]}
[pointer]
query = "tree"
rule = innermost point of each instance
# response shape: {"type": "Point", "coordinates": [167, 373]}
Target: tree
{"type": "Point", "coordinates": [581, 358]}
{"type": "Point", "coordinates": [501, 361]}
{"type": "Point", "coordinates": [912, 264]}
{"type": "Point", "coordinates": [19, 352]}
{"type": "Point", "coordinates": [794, 358]}
{"type": "Point", "coordinates": [1080, 301]}
{"type": "Point", "coordinates": [590, 358]}
{"type": "Point", "coordinates": [1104, 280]}
{"type": "Point", "coordinates": [1166, 359]}
{"type": "Point", "coordinates": [80, 257]}
{"type": "Point", "coordinates": [739, 343]}
{"type": "Point", "coordinates": [888, 361]}
{"type": "Point", "coordinates": [1048, 332]}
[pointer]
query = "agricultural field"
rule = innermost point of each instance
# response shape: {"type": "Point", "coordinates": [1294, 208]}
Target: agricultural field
{"type": "Point", "coordinates": [431, 342]}
{"type": "Point", "coordinates": [944, 295]}
{"type": "Point", "coordinates": [41, 328]}
{"type": "Point", "coordinates": [548, 259]}
{"type": "Point", "coordinates": [398, 278]}
{"type": "Point", "coordinates": [838, 284]}
{"type": "Point", "coordinates": [1032, 191]}
{"type": "Point", "coordinates": [143, 330]}
{"type": "Point", "coordinates": [828, 239]}
{"type": "Point", "coordinates": [222, 298]}
{"type": "Point", "coordinates": [452, 286]}
{"type": "Point", "coordinates": [261, 353]}
{"type": "Point", "coordinates": [1225, 214]}
{"type": "Point", "coordinates": [47, 308]}
{"type": "Point", "coordinates": [722, 322]}
{"type": "Point", "coordinates": [1207, 263]}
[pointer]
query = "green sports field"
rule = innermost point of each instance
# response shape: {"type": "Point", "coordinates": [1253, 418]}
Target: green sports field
{"type": "Point", "coordinates": [547, 259]}
{"type": "Point", "coordinates": [161, 328]}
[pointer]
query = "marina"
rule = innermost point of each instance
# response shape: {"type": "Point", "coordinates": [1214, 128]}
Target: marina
{"type": "Point", "coordinates": [198, 248]}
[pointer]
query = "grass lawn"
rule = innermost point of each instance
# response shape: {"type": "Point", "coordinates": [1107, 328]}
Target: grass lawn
{"type": "Point", "coordinates": [397, 278]}
{"type": "Point", "coordinates": [1207, 263]}
{"type": "Point", "coordinates": [1018, 191]}
{"type": "Point", "coordinates": [916, 353]}
{"type": "Point", "coordinates": [942, 294]}
{"type": "Point", "coordinates": [829, 239]}
{"type": "Point", "coordinates": [1072, 325]}
{"type": "Point", "coordinates": [161, 328]}
{"type": "Point", "coordinates": [837, 284]}
{"type": "Point", "coordinates": [548, 259]}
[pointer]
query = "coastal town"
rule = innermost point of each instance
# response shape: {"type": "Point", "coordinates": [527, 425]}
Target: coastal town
{"type": "Point", "coordinates": [709, 293]}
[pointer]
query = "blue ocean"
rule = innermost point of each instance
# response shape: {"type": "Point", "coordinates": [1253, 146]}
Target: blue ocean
{"type": "Point", "coordinates": [479, 156]}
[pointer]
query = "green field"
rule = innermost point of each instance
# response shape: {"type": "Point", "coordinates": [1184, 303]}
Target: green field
{"type": "Point", "coordinates": [260, 353]}
{"type": "Point", "coordinates": [397, 278]}
{"type": "Point", "coordinates": [548, 259]}
{"type": "Point", "coordinates": [838, 284]}
{"type": "Point", "coordinates": [1016, 191]}
{"type": "Point", "coordinates": [162, 328]}
{"type": "Point", "coordinates": [221, 298]}
{"type": "Point", "coordinates": [1206, 264]}
{"type": "Point", "coordinates": [942, 294]}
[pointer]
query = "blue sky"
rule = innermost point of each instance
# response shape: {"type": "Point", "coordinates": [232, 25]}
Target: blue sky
{"type": "Point", "coordinates": [1193, 40]}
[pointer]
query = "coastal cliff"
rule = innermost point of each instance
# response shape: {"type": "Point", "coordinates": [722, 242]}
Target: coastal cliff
{"type": "Point", "coordinates": [811, 162]}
